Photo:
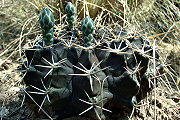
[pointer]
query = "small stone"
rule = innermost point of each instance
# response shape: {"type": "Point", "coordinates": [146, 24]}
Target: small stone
{"type": "Point", "coordinates": [15, 89]}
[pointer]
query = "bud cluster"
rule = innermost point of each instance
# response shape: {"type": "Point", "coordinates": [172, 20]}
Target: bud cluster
{"type": "Point", "coordinates": [70, 11]}
{"type": "Point", "coordinates": [47, 22]}
{"type": "Point", "coordinates": [87, 28]}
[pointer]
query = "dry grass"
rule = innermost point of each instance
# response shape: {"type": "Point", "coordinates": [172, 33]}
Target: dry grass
{"type": "Point", "coordinates": [158, 21]}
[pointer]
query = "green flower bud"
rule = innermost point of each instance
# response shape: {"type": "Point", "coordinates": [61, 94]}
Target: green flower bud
{"type": "Point", "coordinates": [46, 19]}
{"type": "Point", "coordinates": [87, 28]}
{"type": "Point", "coordinates": [47, 22]}
{"type": "Point", "coordinates": [70, 11]}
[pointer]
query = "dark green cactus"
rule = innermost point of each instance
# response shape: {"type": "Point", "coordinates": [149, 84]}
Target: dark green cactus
{"type": "Point", "coordinates": [71, 80]}
{"type": "Point", "coordinates": [87, 28]}
{"type": "Point", "coordinates": [47, 22]}
{"type": "Point", "coordinates": [70, 11]}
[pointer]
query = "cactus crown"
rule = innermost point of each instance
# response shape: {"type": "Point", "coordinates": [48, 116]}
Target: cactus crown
{"type": "Point", "coordinates": [70, 11]}
{"type": "Point", "coordinates": [47, 22]}
{"type": "Point", "coordinates": [87, 28]}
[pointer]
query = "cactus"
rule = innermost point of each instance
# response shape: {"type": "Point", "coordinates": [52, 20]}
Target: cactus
{"type": "Point", "coordinates": [75, 81]}
{"type": "Point", "coordinates": [70, 11]}
{"type": "Point", "coordinates": [87, 28]}
{"type": "Point", "coordinates": [47, 22]}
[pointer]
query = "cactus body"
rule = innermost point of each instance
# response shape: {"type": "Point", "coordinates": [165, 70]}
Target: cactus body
{"type": "Point", "coordinates": [73, 81]}
{"type": "Point", "coordinates": [68, 84]}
